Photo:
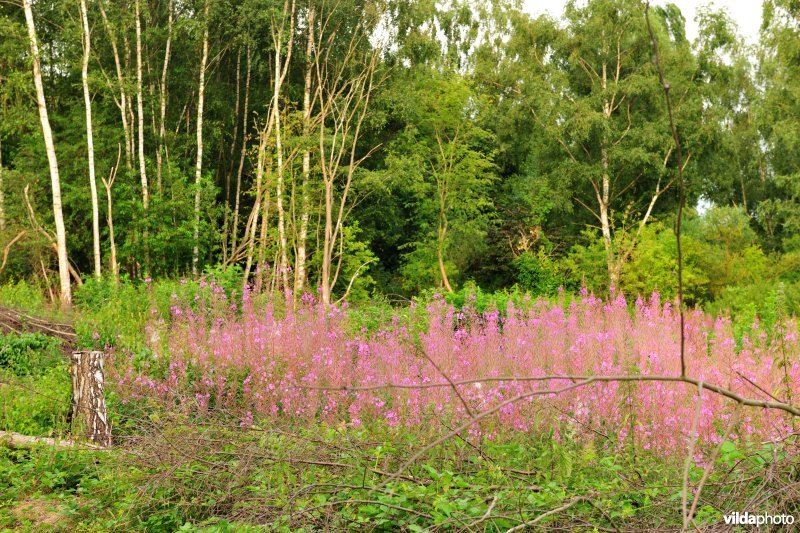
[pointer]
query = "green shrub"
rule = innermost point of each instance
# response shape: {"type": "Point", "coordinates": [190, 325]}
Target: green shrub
{"type": "Point", "coordinates": [539, 274]}
{"type": "Point", "coordinates": [22, 295]}
{"type": "Point", "coordinates": [28, 353]}
{"type": "Point", "coordinates": [35, 404]}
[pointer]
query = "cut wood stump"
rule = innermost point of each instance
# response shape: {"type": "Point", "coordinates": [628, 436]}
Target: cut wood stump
{"type": "Point", "coordinates": [89, 413]}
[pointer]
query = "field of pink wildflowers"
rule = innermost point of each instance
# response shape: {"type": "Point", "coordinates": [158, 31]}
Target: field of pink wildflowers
{"type": "Point", "coordinates": [265, 362]}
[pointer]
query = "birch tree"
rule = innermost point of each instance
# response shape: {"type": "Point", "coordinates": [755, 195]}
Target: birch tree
{"type": "Point", "coordinates": [163, 98]}
{"type": "Point", "coordinates": [344, 88]}
{"type": "Point", "coordinates": [123, 102]}
{"type": "Point", "coordinates": [302, 234]}
{"type": "Point", "coordinates": [87, 100]}
{"type": "Point", "coordinates": [281, 68]}
{"type": "Point", "coordinates": [55, 180]}
{"type": "Point", "coordinates": [201, 85]}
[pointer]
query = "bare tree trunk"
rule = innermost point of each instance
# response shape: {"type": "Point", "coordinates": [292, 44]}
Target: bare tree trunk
{"type": "Point", "coordinates": [300, 259]}
{"type": "Point", "coordinates": [201, 86]}
{"type": "Point", "coordinates": [87, 100]}
{"type": "Point", "coordinates": [123, 95]}
{"type": "Point", "coordinates": [346, 106]}
{"type": "Point", "coordinates": [88, 397]}
{"type": "Point", "coordinates": [110, 222]}
{"type": "Point", "coordinates": [235, 228]}
{"type": "Point", "coordinates": [605, 223]}
{"type": "Point", "coordinates": [108, 183]}
{"type": "Point", "coordinates": [442, 234]}
{"type": "Point", "coordinates": [140, 109]}
{"type": "Point", "coordinates": [257, 207]}
{"type": "Point", "coordinates": [55, 181]}
{"type": "Point", "coordinates": [226, 222]}
{"type": "Point", "coordinates": [163, 98]}
{"type": "Point", "coordinates": [140, 127]}
{"type": "Point", "coordinates": [262, 243]}
{"type": "Point", "coordinates": [327, 244]}
{"type": "Point", "coordinates": [283, 261]}
{"type": "Point", "coordinates": [260, 163]}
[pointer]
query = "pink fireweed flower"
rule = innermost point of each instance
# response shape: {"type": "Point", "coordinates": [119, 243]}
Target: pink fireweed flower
{"type": "Point", "coordinates": [249, 357]}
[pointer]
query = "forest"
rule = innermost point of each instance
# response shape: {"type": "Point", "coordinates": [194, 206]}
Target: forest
{"type": "Point", "coordinates": [397, 265]}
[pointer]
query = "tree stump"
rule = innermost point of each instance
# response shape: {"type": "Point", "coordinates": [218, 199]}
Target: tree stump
{"type": "Point", "coordinates": [88, 397]}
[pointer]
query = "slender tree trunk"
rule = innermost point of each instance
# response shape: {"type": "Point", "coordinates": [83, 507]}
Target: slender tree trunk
{"type": "Point", "coordinates": [262, 243]}
{"type": "Point", "coordinates": [55, 181]}
{"type": "Point", "coordinates": [112, 241]}
{"type": "Point", "coordinates": [87, 99]}
{"type": "Point", "coordinates": [235, 228]}
{"type": "Point", "coordinates": [283, 262]}
{"type": "Point", "coordinates": [604, 195]}
{"type": "Point", "coordinates": [260, 163]}
{"type": "Point", "coordinates": [140, 109]}
{"type": "Point", "coordinates": [123, 95]}
{"type": "Point", "coordinates": [140, 128]}
{"type": "Point", "coordinates": [605, 222]}
{"type": "Point", "coordinates": [327, 243]}
{"type": "Point", "coordinates": [226, 223]}
{"type": "Point", "coordinates": [163, 99]}
{"type": "Point", "coordinates": [300, 259]}
{"type": "Point", "coordinates": [131, 117]}
{"type": "Point", "coordinates": [110, 219]}
{"type": "Point", "coordinates": [442, 235]}
{"type": "Point", "coordinates": [257, 207]}
{"type": "Point", "coordinates": [201, 86]}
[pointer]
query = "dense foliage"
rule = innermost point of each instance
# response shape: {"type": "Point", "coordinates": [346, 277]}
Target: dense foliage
{"type": "Point", "coordinates": [478, 145]}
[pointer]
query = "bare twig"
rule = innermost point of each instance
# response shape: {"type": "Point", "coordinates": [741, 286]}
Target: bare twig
{"type": "Point", "coordinates": [526, 525]}
{"type": "Point", "coordinates": [579, 380]}
{"type": "Point", "coordinates": [710, 465]}
{"type": "Point", "coordinates": [693, 435]}
{"type": "Point", "coordinates": [681, 185]}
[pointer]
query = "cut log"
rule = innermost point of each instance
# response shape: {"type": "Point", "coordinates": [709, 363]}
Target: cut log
{"type": "Point", "coordinates": [88, 398]}
{"type": "Point", "coordinates": [18, 441]}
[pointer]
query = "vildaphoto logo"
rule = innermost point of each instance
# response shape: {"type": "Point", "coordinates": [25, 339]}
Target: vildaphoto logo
{"type": "Point", "coordinates": [751, 519]}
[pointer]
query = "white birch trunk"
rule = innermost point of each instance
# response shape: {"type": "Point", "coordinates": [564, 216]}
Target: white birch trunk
{"type": "Point", "coordinates": [140, 108]}
{"type": "Point", "coordinates": [88, 397]}
{"type": "Point", "coordinates": [283, 262]}
{"type": "Point", "coordinates": [199, 164]}
{"type": "Point", "coordinates": [123, 95]}
{"type": "Point", "coordinates": [87, 100]}
{"type": "Point", "coordinates": [300, 260]}
{"type": "Point", "coordinates": [163, 99]}
{"type": "Point", "coordinates": [55, 181]}
{"type": "Point", "coordinates": [110, 219]}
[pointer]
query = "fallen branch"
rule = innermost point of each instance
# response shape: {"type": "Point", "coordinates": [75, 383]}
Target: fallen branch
{"type": "Point", "coordinates": [578, 381]}
{"type": "Point", "coordinates": [18, 441]}
{"type": "Point", "coordinates": [526, 525]}
{"type": "Point", "coordinates": [13, 321]}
